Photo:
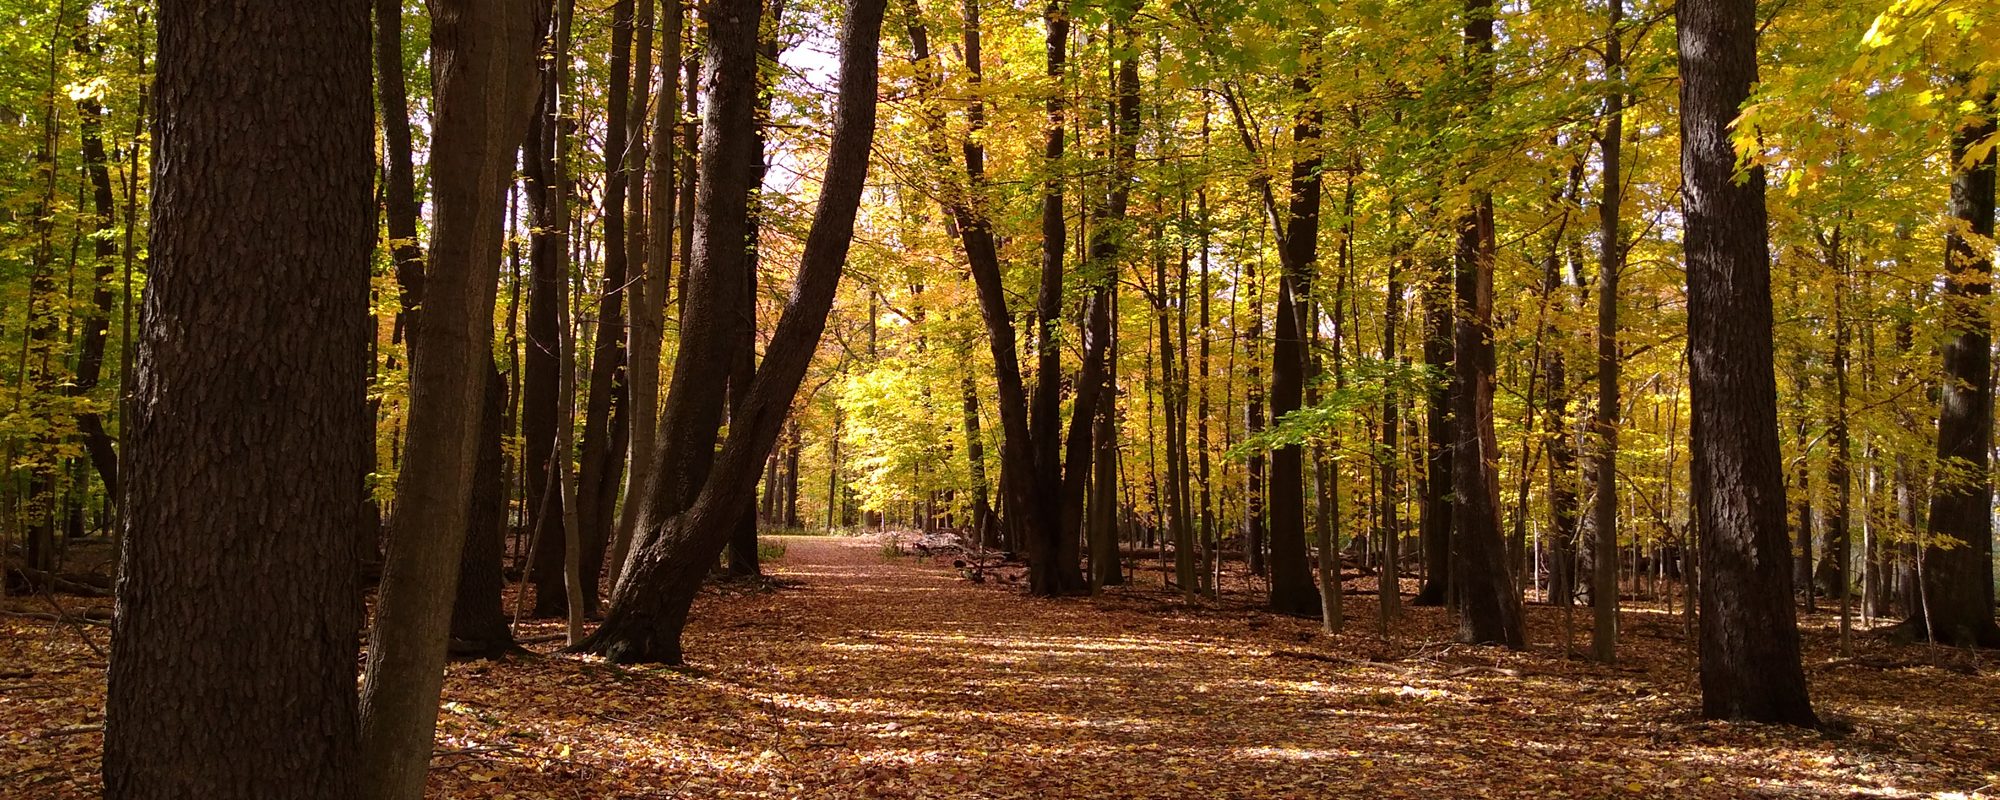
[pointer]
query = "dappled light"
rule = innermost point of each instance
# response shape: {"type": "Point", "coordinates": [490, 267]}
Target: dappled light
{"type": "Point", "coordinates": [888, 676]}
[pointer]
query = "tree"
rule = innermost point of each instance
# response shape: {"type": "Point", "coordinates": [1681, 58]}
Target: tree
{"type": "Point", "coordinates": [1489, 605]}
{"type": "Point", "coordinates": [686, 523]}
{"type": "Point", "coordinates": [1957, 559]}
{"type": "Point", "coordinates": [1611, 261]}
{"type": "Point", "coordinates": [1749, 637]}
{"type": "Point", "coordinates": [238, 603]}
{"type": "Point", "coordinates": [650, 289]}
{"type": "Point", "coordinates": [482, 60]}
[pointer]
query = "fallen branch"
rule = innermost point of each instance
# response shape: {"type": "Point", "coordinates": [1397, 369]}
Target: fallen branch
{"type": "Point", "coordinates": [1307, 655]}
{"type": "Point", "coordinates": [72, 730]}
{"type": "Point", "coordinates": [1503, 672]}
{"type": "Point", "coordinates": [1881, 663]}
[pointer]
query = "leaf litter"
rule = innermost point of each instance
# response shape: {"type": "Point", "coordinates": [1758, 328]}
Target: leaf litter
{"type": "Point", "coordinates": [870, 675]}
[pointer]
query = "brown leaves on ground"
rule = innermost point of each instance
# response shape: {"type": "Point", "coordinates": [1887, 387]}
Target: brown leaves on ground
{"type": "Point", "coordinates": [891, 677]}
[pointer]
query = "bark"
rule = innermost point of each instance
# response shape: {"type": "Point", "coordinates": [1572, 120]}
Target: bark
{"type": "Point", "coordinates": [600, 462]}
{"type": "Point", "coordinates": [482, 55]}
{"type": "Point", "coordinates": [650, 290]}
{"type": "Point", "coordinates": [1610, 263]}
{"type": "Point", "coordinates": [1748, 635]}
{"type": "Point", "coordinates": [1489, 604]}
{"type": "Point", "coordinates": [543, 157]}
{"type": "Point", "coordinates": [650, 608]}
{"type": "Point", "coordinates": [1956, 605]}
{"type": "Point", "coordinates": [232, 674]}
{"type": "Point", "coordinates": [479, 626]}
{"type": "Point", "coordinates": [1439, 433]}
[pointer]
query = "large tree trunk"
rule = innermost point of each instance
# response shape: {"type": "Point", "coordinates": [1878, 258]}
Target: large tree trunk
{"type": "Point", "coordinates": [1956, 602]}
{"type": "Point", "coordinates": [232, 674]}
{"type": "Point", "coordinates": [650, 608]}
{"type": "Point", "coordinates": [482, 59]}
{"type": "Point", "coordinates": [1292, 590]}
{"type": "Point", "coordinates": [1749, 637]}
{"type": "Point", "coordinates": [1489, 604]}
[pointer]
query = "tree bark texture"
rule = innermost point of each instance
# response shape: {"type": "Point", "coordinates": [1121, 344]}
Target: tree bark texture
{"type": "Point", "coordinates": [1749, 637]}
{"type": "Point", "coordinates": [232, 675]}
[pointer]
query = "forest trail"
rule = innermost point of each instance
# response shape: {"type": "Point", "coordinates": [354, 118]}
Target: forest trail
{"type": "Point", "coordinates": [874, 675]}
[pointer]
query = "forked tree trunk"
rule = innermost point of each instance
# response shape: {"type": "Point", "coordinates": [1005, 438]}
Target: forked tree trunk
{"type": "Point", "coordinates": [650, 608]}
{"type": "Point", "coordinates": [1749, 637]}
{"type": "Point", "coordinates": [650, 292]}
{"type": "Point", "coordinates": [232, 667]}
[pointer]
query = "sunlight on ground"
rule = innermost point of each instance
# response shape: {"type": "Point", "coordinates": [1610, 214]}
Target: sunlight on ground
{"type": "Point", "coordinates": [891, 677]}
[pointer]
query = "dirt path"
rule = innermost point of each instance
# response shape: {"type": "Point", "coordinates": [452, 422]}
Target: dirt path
{"type": "Point", "coordinates": [880, 676]}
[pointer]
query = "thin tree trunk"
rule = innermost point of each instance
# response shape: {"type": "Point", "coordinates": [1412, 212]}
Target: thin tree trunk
{"type": "Point", "coordinates": [544, 157]}
{"type": "Point", "coordinates": [1435, 531]}
{"type": "Point", "coordinates": [483, 56]}
{"type": "Point", "coordinates": [650, 292]}
{"type": "Point", "coordinates": [1610, 263]}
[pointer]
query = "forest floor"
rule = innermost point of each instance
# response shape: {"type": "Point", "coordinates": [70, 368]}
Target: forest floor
{"type": "Point", "coordinates": [867, 674]}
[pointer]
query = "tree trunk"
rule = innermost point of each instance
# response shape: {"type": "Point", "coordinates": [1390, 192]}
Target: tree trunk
{"type": "Point", "coordinates": [399, 182]}
{"type": "Point", "coordinates": [1388, 591]}
{"type": "Point", "coordinates": [650, 291]}
{"type": "Point", "coordinates": [482, 55]}
{"type": "Point", "coordinates": [1749, 637]}
{"type": "Point", "coordinates": [986, 530]}
{"type": "Point", "coordinates": [650, 608]}
{"type": "Point", "coordinates": [1253, 424]}
{"type": "Point", "coordinates": [232, 676]}
{"type": "Point", "coordinates": [601, 459]}
{"type": "Point", "coordinates": [1956, 605]}
{"type": "Point", "coordinates": [1489, 605]}
{"type": "Point", "coordinates": [479, 626]}
{"type": "Point", "coordinates": [1610, 263]}
{"type": "Point", "coordinates": [1439, 435]}
{"type": "Point", "coordinates": [543, 158]}
{"type": "Point", "coordinates": [96, 319]}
